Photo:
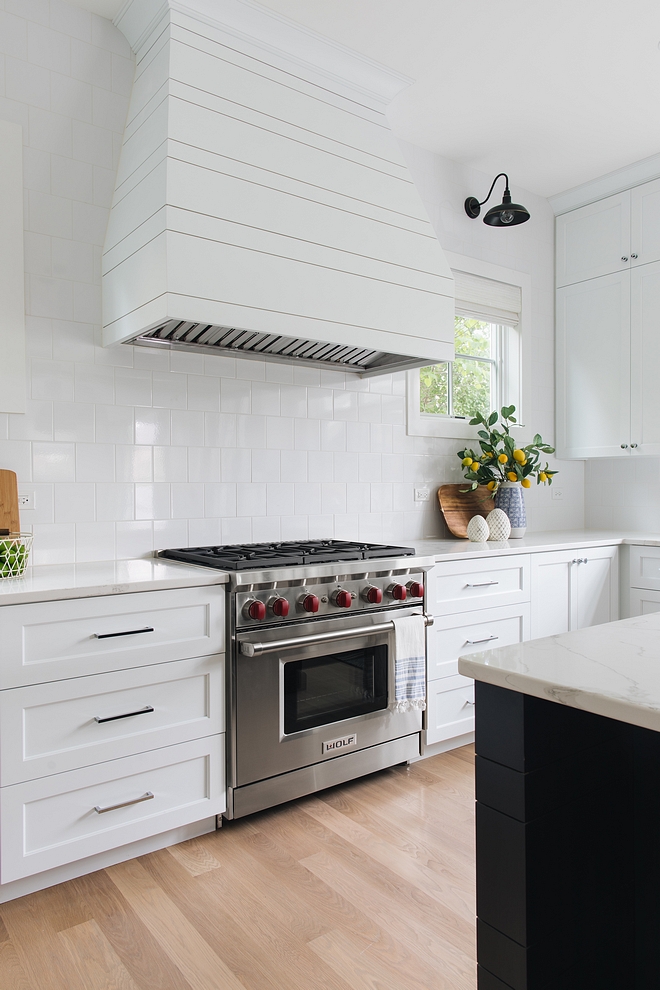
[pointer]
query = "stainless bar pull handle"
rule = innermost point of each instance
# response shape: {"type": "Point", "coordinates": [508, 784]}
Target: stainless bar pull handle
{"type": "Point", "coordinates": [469, 703]}
{"type": "Point", "coordinates": [475, 642]}
{"type": "Point", "coordinates": [258, 649]}
{"type": "Point", "coordinates": [484, 584]}
{"type": "Point", "coordinates": [113, 718]}
{"type": "Point", "coordinates": [128, 632]}
{"type": "Point", "coordinates": [124, 804]}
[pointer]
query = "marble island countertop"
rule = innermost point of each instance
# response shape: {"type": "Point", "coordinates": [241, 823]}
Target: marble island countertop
{"type": "Point", "coordinates": [611, 670]}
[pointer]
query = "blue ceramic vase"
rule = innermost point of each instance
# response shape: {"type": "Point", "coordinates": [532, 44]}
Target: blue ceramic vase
{"type": "Point", "coordinates": [509, 497]}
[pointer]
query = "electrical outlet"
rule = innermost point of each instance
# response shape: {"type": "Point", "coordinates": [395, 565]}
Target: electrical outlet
{"type": "Point", "coordinates": [557, 494]}
{"type": "Point", "coordinates": [26, 500]}
{"type": "Point", "coordinates": [421, 494]}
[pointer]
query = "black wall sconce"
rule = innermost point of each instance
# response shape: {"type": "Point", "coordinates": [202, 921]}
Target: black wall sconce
{"type": "Point", "coordinates": [507, 214]}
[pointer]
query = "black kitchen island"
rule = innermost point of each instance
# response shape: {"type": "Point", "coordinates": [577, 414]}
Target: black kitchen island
{"type": "Point", "coordinates": [568, 810]}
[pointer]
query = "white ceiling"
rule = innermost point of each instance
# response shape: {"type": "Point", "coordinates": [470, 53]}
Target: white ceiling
{"type": "Point", "coordinates": [555, 93]}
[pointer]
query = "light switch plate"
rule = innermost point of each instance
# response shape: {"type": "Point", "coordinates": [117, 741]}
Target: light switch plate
{"type": "Point", "coordinates": [557, 494]}
{"type": "Point", "coordinates": [421, 494]}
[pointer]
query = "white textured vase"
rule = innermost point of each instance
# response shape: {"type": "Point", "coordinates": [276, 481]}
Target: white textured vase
{"type": "Point", "coordinates": [509, 497]}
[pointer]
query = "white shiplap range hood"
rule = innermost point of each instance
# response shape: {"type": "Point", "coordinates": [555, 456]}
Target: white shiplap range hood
{"type": "Point", "coordinates": [262, 206]}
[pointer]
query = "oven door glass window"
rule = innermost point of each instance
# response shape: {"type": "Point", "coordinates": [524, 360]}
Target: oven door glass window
{"type": "Point", "coordinates": [334, 687]}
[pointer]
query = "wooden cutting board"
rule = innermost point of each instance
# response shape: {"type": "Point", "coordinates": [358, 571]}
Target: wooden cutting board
{"type": "Point", "coordinates": [9, 517]}
{"type": "Point", "coordinates": [459, 508]}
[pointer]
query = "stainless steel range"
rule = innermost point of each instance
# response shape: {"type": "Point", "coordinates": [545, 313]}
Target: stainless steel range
{"type": "Point", "coordinates": [309, 630]}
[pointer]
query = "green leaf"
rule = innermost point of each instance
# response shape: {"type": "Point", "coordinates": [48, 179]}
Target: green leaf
{"type": "Point", "coordinates": [492, 419]}
{"type": "Point", "coordinates": [537, 439]}
{"type": "Point", "coordinates": [482, 433]}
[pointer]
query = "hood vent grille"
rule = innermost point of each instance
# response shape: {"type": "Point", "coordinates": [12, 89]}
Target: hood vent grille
{"type": "Point", "coordinates": [231, 341]}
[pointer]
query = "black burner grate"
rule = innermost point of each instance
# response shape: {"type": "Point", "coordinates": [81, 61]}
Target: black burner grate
{"type": "Point", "coordinates": [238, 557]}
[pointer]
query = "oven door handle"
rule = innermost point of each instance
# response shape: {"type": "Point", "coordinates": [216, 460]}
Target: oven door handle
{"type": "Point", "coordinates": [250, 649]}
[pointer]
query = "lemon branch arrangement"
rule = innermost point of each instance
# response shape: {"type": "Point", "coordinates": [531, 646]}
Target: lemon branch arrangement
{"type": "Point", "coordinates": [499, 459]}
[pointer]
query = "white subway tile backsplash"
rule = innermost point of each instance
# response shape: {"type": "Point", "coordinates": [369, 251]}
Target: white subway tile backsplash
{"type": "Point", "coordinates": [251, 499]}
{"type": "Point", "coordinates": [133, 463]}
{"type": "Point", "coordinates": [132, 387]}
{"type": "Point", "coordinates": [74, 503]}
{"type": "Point", "coordinates": [152, 426]}
{"type": "Point", "coordinates": [187, 500]}
{"type": "Point", "coordinates": [54, 462]}
{"type": "Point", "coordinates": [152, 501]}
{"type": "Point", "coordinates": [94, 461]}
{"type": "Point", "coordinates": [95, 541]}
{"type": "Point", "coordinates": [115, 501]}
{"type": "Point", "coordinates": [170, 463]}
{"type": "Point", "coordinates": [35, 424]}
{"type": "Point", "coordinates": [73, 421]}
{"type": "Point", "coordinates": [203, 464]}
{"type": "Point", "coordinates": [188, 427]}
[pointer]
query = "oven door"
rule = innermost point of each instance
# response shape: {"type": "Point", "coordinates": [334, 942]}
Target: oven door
{"type": "Point", "coordinates": [303, 705]}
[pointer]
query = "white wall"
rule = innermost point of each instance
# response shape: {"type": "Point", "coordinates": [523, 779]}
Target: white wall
{"type": "Point", "coordinates": [130, 448]}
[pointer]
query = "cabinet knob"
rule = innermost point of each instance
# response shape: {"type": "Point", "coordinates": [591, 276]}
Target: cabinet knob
{"type": "Point", "coordinates": [624, 446]}
{"type": "Point", "coordinates": [624, 257]}
{"type": "Point", "coordinates": [633, 444]}
{"type": "Point", "coordinates": [633, 256]}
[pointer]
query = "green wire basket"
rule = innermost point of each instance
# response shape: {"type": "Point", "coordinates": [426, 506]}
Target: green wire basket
{"type": "Point", "coordinates": [14, 552]}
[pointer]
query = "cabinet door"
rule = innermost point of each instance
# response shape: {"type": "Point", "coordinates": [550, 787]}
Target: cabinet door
{"type": "Point", "coordinates": [596, 578]}
{"type": "Point", "coordinates": [594, 240]}
{"type": "Point", "coordinates": [645, 357]}
{"type": "Point", "coordinates": [593, 367]}
{"type": "Point", "coordinates": [450, 710]}
{"type": "Point", "coordinates": [552, 592]}
{"type": "Point", "coordinates": [645, 223]}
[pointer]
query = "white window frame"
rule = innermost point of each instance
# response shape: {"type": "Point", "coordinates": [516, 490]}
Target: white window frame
{"type": "Point", "coordinates": [429, 425]}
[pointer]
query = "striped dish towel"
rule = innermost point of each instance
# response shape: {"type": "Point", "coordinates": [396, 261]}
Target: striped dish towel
{"type": "Point", "coordinates": [407, 658]}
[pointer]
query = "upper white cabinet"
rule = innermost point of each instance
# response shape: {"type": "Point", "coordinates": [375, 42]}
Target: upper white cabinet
{"type": "Point", "coordinates": [593, 367]}
{"type": "Point", "coordinates": [612, 235]}
{"type": "Point", "coordinates": [594, 240]}
{"type": "Point", "coordinates": [607, 322]}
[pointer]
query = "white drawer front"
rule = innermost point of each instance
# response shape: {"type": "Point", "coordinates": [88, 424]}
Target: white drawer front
{"type": "Point", "coordinates": [644, 602]}
{"type": "Point", "coordinates": [48, 822]}
{"type": "Point", "coordinates": [50, 728]}
{"type": "Point", "coordinates": [453, 636]}
{"type": "Point", "coordinates": [449, 713]}
{"type": "Point", "coordinates": [645, 568]}
{"type": "Point", "coordinates": [463, 586]}
{"type": "Point", "coordinates": [51, 640]}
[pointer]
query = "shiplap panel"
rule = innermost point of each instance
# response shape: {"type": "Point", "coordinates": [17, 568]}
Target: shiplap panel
{"type": "Point", "coordinates": [195, 125]}
{"type": "Point", "coordinates": [277, 96]}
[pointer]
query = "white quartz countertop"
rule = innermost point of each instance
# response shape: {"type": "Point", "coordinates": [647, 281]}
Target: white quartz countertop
{"type": "Point", "coordinates": [443, 550]}
{"type": "Point", "coordinates": [51, 582]}
{"type": "Point", "coordinates": [611, 670]}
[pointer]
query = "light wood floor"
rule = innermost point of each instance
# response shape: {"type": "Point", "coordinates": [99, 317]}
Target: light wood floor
{"type": "Point", "coordinates": [368, 886]}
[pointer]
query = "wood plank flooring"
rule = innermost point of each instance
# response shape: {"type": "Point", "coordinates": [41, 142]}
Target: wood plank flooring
{"type": "Point", "coordinates": [367, 886]}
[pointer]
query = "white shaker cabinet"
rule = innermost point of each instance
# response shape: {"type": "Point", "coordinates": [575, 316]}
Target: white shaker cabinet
{"type": "Point", "coordinates": [573, 589]}
{"type": "Point", "coordinates": [594, 240]}
{"type": "Point", "coordinates": [593, 367]}
{"type": "Point", "coordinates": [610, 235]}
{"type": "Point", "coordinates": [608, 345]}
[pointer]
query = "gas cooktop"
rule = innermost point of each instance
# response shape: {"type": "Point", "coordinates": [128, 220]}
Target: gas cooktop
{"type": "Point", "coordinates": [237, 557]}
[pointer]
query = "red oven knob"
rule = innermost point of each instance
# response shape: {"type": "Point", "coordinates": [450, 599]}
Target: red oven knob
{"type": "Point", "coordinates": [415, 589]}
{"type": "Point", "coordinates": [372, 595]}
{"type": "Point", "coordinates": [397, 592]}
{"type": "Point", "coordinates": [342, 599]}
{"type": "Point", "coordinates": [280, 607]}
{"type": "Point", "coordinates": [310, 603]}
{"type": "Point", "coordinates": [255, 610]}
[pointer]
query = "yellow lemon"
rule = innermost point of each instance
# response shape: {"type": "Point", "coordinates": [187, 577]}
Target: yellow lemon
{"type": "Point", "coordinates": [491, 486]}
{"type": "Point", "coordinates": [526, 483]}
{"type": "Point", "coordinates": [474, 466]}
{"type": "Point", "coordinates": [519, 455]}
{"type": "Point", "coordinates": [503, 458]}
{"type": "Point", "coordinates": [466, 461]}
{"type": "Point", "coordinates": [512, 476]}
{"type": "Point", "coordinates": [543, 476]}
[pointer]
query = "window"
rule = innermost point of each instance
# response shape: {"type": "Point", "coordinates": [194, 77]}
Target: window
{"type": "Point", "coordinates": [487, 371]}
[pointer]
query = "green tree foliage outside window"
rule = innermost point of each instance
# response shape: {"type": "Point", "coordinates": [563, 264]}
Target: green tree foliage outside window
{"type": "Point", "coordinates": [465, 387]}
